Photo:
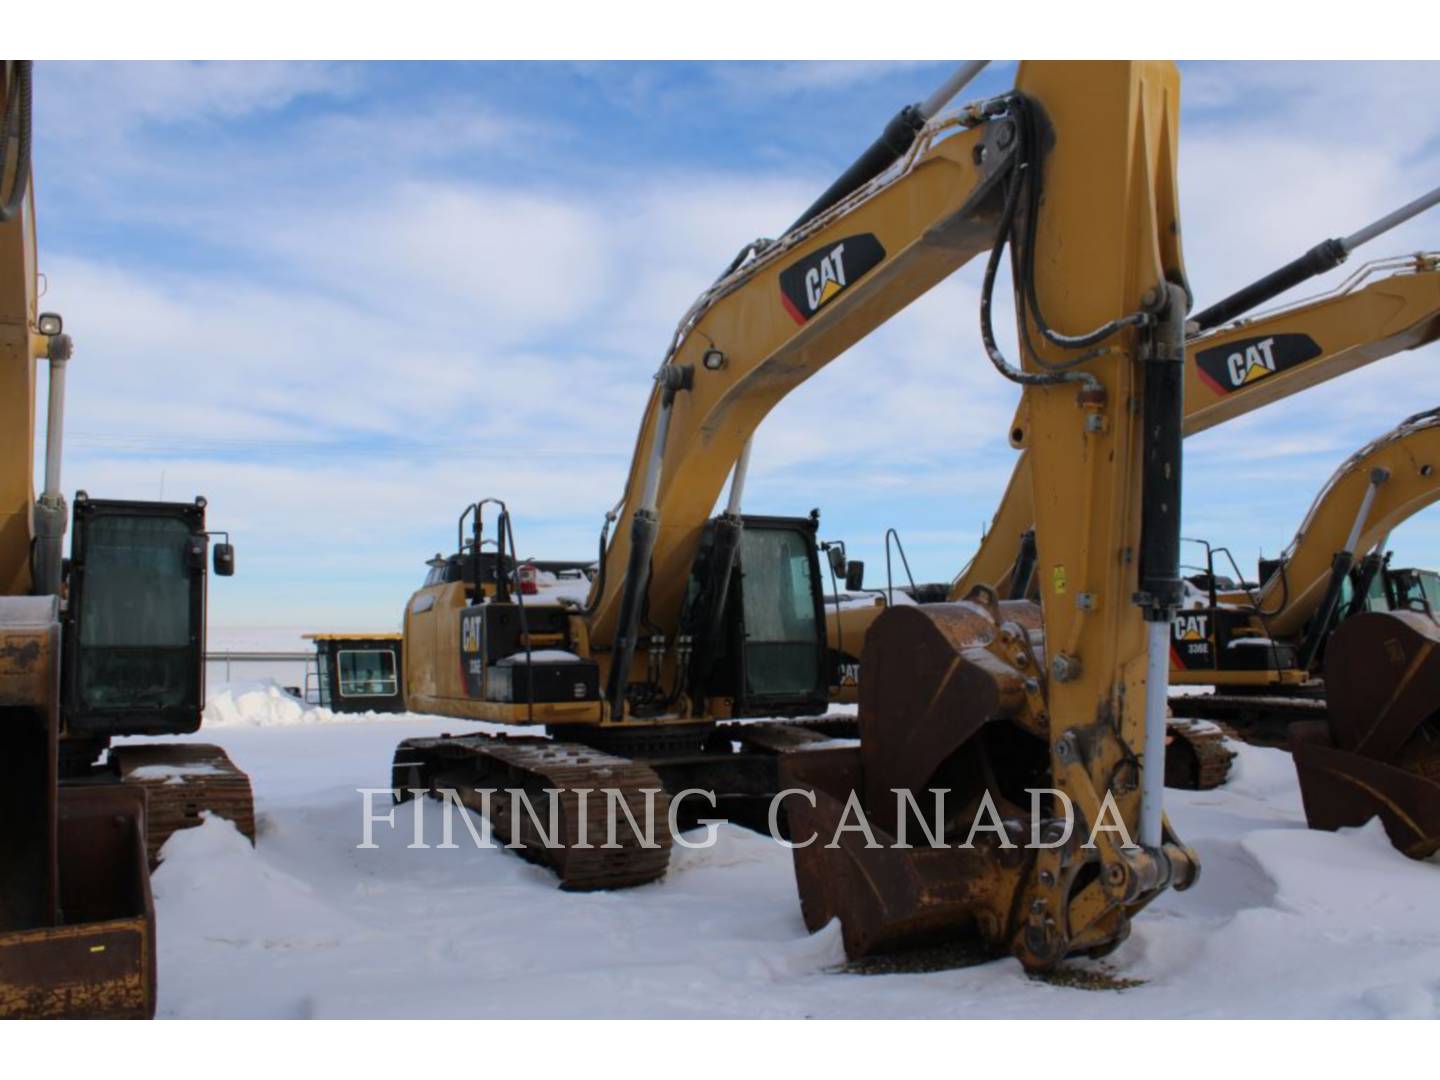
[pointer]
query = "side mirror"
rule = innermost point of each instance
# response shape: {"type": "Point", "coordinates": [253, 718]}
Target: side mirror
{"type": "Point", "coordinates": [836, 555]}
{"type": "Point", "coordinates": [854, 574]}
{"type": "Point", "coordinates": [225, 560]}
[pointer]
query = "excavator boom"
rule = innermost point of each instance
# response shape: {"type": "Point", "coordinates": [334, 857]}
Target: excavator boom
{"type": "Point", "coordinates": [1376, 490]}
{"type": "Point", "coordinates": [764, 329]}
{"type": "Point", "coordinates": [1233, 371]}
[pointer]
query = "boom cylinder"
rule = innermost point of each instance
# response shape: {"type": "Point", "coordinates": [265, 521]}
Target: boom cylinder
{"type": "Point", "coordinates": [50, 508]}
{"type": "Point", "coordinates": [1160, 585]}
{"type": "Point", "coordinates": [898, 136]}
{"type": "Point", "coordinates": [1340, 565]}
{"type": "Point", "coordinates": [644, 527]}
{"type": "Point", "coordinates": [1324, 256]}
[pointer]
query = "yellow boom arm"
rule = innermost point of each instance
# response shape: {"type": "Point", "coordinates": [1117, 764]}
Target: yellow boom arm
{"type": "Point", "coordinates": [1238, 369]}
{"type": "Point", "coordinates": [763, 330]}
{"type": "Point", "coordinates": [1371, 494]}
{"type": "Point", "coordinates": [20, 346]}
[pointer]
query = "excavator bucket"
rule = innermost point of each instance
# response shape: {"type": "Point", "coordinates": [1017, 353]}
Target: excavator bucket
{"type": "Point", "coordinates": [1378, 754]}
{"type": "Point", "coordinates": [98, 960]}
{"type": "Point", "coordinates": [934, 706]}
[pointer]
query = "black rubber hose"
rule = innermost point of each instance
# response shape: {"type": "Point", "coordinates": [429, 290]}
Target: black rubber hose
{"type": "Point", "coordinates": [987, 295]}
{"type": "Point", "coordinates": [1029, 136]}
{"type": "Point", "coordinates": [18, 124]}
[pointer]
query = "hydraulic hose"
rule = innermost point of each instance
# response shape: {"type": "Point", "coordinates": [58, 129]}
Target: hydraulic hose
{"type": "Point", "coordinates": [17, 124]}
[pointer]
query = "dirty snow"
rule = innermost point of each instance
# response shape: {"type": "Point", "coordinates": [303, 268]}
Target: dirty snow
{"type": "Point", "coordinates": [1284, 921]}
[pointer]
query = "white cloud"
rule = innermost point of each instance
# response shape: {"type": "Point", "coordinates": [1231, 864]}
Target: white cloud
{"type": "Point", "coordinates": [84, 98]}
{"type": "Point", "coordinates": [804, 76]}
{"type": "Point", "coordinates": [468, 323]}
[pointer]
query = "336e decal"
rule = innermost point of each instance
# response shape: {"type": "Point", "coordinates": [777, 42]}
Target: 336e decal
{"type": "Point", "coordinates": [1228, 367]}
{"type": "Point", "coordinates": [819, 277]}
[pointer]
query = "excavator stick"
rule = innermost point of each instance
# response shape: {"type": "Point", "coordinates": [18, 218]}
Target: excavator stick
{"type": "Point", "coordinates": [997, 737]}
{"type": "Point", "coordinates": [1378, 753]}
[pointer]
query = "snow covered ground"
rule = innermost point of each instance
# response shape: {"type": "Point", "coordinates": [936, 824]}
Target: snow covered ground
{"type": "Point", "coordinates": [1284, 921]}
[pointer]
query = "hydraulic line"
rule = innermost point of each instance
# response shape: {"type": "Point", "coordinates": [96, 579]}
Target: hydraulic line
{"type": "Point", "coordinates": [17, 125]}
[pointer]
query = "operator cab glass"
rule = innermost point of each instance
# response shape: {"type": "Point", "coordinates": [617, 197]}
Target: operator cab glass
{"type": "Point", "coordinates": [367, 673]}
{"type": "Point", "coordinates": [136, 625]}
{"type": "Point", "coordinates": [781, 627]}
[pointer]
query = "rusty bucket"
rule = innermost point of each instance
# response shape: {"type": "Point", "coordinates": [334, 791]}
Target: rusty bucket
{"type": "Point", "coordinates": [1378, 752]}
{"type": "Point", "coordinates": [946, 705]}
{"type": "Point", "coordinates": [98, 959]}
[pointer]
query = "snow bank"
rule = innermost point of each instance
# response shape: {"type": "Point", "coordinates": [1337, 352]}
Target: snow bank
{"type": "Point", "coordinates": [265, 704]}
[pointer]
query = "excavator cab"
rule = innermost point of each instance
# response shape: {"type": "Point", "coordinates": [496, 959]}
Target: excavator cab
{"type": "Point", "coordinates": [1411, 589]}
{"type": "Point", "coordinates": [135, 632]}
{"type": "Point", "coordinates": [769, 658]}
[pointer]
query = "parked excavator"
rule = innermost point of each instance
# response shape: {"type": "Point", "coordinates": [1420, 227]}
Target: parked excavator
{"type": "Point", "coordinates": [1336, 654]}
{"type": "Point", "coordinates": [108, 642]}
{"type": "Point", "coordinates": [1263, 647]}
{"type": "Point", "coordinates": [1386, 307]}
{"type": "Point", "coordinates": [693, 620]}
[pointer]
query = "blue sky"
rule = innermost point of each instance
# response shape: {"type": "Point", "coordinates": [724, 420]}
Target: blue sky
{"type": "Point", "coordinates": [344, 300]}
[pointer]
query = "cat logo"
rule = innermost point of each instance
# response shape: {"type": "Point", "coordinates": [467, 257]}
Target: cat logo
{"type": "Point", "coordinates": [1229, 367]}
{"type": "Point", "coordinates": [470, 633]}
{"type": "Point", "coordinates": [1255, 362]}
{"type": "Point", "coordinates": [1192, 627]}
{"type": "Point", "coordinates": [819, 277]}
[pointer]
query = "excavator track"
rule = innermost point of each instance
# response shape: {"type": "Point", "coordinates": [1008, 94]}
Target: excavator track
{"type": "Point", "coordinates": [181, 782]}
{"type": "Point", "coordinates": [469, 764]}
{"type": "Point", "coordinates": [1196, 757]}
{"type": "Point", "coordinates": [1256, 719]}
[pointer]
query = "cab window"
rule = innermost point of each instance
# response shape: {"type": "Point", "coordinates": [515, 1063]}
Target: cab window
{"type": "Point", "coordinates": [367, 673]}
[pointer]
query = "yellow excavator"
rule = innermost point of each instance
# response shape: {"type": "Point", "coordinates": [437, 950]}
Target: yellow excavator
{"type": "Point", "coordinates": [1264, 647]}
{"type": "Point", "coordinates": [1386, 307]}
{"type": "Point", "coordinates": [694, 619]}
{"type": "Point", "coordinates": [1256, 642]}
{"type": "Point", "coordinates": [109, 641]}
{"type": "Point", "coordinates": [1336, 654]}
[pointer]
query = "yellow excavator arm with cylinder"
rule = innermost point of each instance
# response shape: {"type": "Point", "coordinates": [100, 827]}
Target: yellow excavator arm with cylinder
{"type": "Point", "coordinates": [1233, 371]}
{"type": "Point", "coordinates": [1376, 490]}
